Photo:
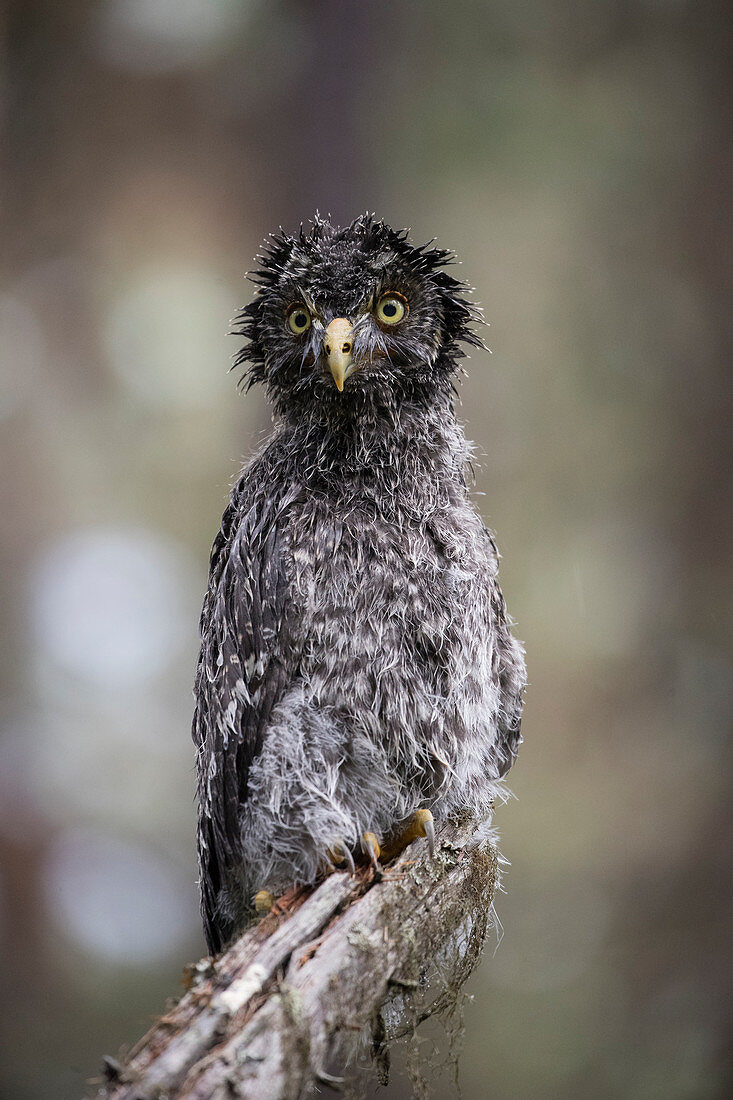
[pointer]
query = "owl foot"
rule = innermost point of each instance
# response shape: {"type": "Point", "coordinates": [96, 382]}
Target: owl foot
{"type": "Point", "coordinates": [339, 854]}
{"type": "Point", "coordinates": [421, 824]}
{"type": "Point", "coordinates": [264, 901]}
{"type": "Point", "coordinates": [371, 848]}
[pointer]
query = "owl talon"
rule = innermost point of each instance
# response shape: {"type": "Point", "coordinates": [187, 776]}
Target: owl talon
{"type": "Point", "coordinates": [428, 831]}
{"type": "Point", "coordinates": [339, 853]}
{"type": "Point", "coordinates": [421, 824]}
{"type": "Point", "coordinates": [264, 901]}
{"type": "Point", "coordinates": [371, 847]}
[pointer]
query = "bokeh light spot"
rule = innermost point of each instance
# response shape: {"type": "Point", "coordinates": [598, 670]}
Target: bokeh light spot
{"type": "Point", "coordinates": [109, 605]}
{"type": "Point", "coordinates": [116, 900]}
{"type": "Point", "coordinates": [166, 336]}
{"type": "Point", "coordinates": [160, 35]}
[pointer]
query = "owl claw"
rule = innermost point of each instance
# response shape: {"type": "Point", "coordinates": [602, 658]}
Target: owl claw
{"type": "Point", "coordinates": [372, 849]}
{"type": "Point", "coordinates": [428, 825]}
{"type": "Point", "coordinates": [340, 853]}
{"type": "Point", "coordinates": [421, 824]}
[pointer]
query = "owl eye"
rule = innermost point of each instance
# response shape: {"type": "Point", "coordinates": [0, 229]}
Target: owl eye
{"type": "Point", "coordinates": [299, 319]}
{"type": "Point", "coordinates": [391, 308]}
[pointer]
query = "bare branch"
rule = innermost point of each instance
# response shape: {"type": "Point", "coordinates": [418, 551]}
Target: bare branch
{"type": "Point", "coordinates": [293, 999]}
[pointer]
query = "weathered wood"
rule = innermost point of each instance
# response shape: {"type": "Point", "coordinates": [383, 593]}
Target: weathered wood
{"type": "Point", "coordinates": [295, 998]}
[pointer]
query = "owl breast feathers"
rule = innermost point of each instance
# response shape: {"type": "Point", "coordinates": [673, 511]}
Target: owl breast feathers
{"type": "Point", "coordinates": [356, 661]}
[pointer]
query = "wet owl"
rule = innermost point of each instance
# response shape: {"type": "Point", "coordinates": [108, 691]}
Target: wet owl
{"type": "Point", "coordinates": [358, 681]}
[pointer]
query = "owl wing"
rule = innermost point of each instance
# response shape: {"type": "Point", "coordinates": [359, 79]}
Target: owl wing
{"type": "Point", "coordinates": [509, 670]}
{"type": "Point", "coordinates": [249, 655]}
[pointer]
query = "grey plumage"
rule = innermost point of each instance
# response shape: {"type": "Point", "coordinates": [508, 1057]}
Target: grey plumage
{"type": "Point", "coordinates": [356, 658]}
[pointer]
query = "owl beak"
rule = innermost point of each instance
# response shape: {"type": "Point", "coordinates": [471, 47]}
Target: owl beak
{"type": "Point", "coordinates": [338, 345]}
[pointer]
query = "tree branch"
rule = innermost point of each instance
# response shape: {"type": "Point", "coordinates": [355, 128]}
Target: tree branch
{"type": "Point", "coordinates": [295, 997]}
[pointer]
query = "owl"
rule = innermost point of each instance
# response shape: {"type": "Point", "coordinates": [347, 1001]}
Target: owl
{"type": "Point", "coordinates": [358, 682]}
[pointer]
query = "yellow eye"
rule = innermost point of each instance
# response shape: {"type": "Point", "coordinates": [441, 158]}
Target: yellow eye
{"type": "Point", "coordinates": [391, 308]}
{"type": "Point", "coordinates": [299, 319]}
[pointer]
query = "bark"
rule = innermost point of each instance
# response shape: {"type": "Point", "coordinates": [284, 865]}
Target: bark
{"type": "Point", "coordinates": [309, 993]}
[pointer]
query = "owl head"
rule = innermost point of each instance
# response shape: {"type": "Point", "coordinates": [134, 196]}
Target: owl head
{"type": "Point", "coordinates": [344, 315]}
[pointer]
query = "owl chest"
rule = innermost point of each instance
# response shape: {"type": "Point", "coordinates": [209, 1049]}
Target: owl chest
{"type": "Point", "coordinates": [392, 616]}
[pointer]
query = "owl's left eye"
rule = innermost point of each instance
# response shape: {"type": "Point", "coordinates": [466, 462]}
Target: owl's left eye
{"type": "Point", "coordinates": [391, 308]}
{"type": "Point", "coordinates": [299, 319]}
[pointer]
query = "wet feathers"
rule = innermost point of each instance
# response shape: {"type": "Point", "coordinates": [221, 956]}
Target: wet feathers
{"type": "Point", "coordinates": [356, 657]}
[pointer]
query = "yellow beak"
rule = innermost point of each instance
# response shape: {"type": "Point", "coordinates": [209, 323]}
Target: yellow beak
{"type": "Point", "coordinates": [338, 346]}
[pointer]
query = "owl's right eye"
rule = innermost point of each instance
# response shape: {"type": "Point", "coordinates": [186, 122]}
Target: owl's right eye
{"type": "Point", "coordinates": [299, 319]}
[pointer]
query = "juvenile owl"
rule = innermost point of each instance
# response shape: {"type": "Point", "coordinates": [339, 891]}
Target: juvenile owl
{"type": "Point", "coordinates": [357, 679]}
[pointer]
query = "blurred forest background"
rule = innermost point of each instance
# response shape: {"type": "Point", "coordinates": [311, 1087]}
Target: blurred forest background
{"type": "Point", "coordinates": [576, 156]}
